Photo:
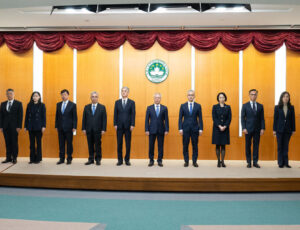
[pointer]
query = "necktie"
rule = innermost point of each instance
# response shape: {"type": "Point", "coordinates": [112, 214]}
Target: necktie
{"type": "Point", "coordinates": [64, 107]}
{"type": "Point", "coordinates": [254, 107]}
{"type": "Point", "coordinates": [9, 106]}
{"type": "Point", "coordinates": [157, 110]}
{"type": "Point", "coordinates": [124, 104]}
{"type": "Point", "coordinates": [93, 109]}
{"type": "Point", "coordinates": [191, 108]}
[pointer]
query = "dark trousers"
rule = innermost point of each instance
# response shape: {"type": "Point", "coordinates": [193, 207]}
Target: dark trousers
{"type": "Point", "coordinates": [256, 137]}
{"type": "Point", "coordinates": [94, 144]}
{"type": "Point", "coordinates": [186, 140]}
{"type": "Point", "coordinates": [11, 142]}
{"type": "Point", "coordinates": [283, 140]}
{"type": "Point", "coordinates": [120, 134]}
{"type": "Point", "coordinates": [63, 137]}
{"type": "Point", "coordinates": [160, 142]}
{"type": "Point", "coordinates": [35, 152]}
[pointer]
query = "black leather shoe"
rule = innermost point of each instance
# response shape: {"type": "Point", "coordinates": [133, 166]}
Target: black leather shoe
{"type": "Point", "coordinates": [223, 164]}
{"type": "Point", "coordinates": [256, 166]}
{"type": "Point", "coordinates": [280, 166]}
{"type": "Point", "coordinates": [14, 161]}
{"type": "Point", "coordinates": [248, 165]}
{"type": "Point", "coordinates": [98, 162]}
{"type": "Point", "coordinates": [186, 164]}
{"type": "Point", "coordinates": [288, 166]}
{"type": "Point", "coordinates": [219, 164]}
{"type": "Point", "coordinates": [60, 162]}
{"type": "Point", "coordinates": [119, 163]}
{"type": "Point", "coordinates": [160, 164]}
{"type": "Point", "coordinates": [31, 162]}
{"type": "Point", "coordinates": [151, 163]}
{"type": "Point", "coordinates": [195, 165]}
{"type": "Point", "coordinates": [69, 162]}
{"type": "Point", "coordinates": [127, 163]}
{"type": "Point", "coordinates": [6, 161]}
{"type": "Point", "coordinates": [89, 163]}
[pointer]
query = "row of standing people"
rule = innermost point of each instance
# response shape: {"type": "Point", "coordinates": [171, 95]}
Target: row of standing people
{"type": "Point", "coordinates": [190, 126]}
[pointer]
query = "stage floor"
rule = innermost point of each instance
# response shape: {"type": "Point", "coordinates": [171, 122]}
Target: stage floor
{"type": "Point", "coordinates": [139, 168]}
{"type": "Point", "coordinates": [138, 176]}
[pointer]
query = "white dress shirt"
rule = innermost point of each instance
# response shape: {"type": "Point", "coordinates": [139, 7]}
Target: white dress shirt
{"type": "Point", "coordinates": [11, 101]}
{"type": "Point", "coordinates": [253, 104]}
{"type": "Point", "coordinates": [62, 105]}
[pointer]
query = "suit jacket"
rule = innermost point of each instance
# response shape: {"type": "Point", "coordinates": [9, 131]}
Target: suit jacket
{"type": "Point", "coordinates": [154, 124]}
{"type": "Point", "coordinates": [221, 117]}
{"type": "Point", "coordinates": [68, 120]}
{"type": "Point", "coordinates": [12, 119]}
{"type": "Point", "coordinates": [189, 122]}
{"type": "Point", "coordinates": [282, 123]}
{"type": "Point", "coordinates": [250, 120]}
{"type": "Point", "coordinates": [124, 118]}
{"type": "Point", "coordinates": [35, 118]}
{"type": "Point", "coordinates": [96, 122]}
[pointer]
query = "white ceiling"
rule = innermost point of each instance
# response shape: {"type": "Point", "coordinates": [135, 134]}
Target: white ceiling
{"type": "Point", "coordinates": [35, 15]}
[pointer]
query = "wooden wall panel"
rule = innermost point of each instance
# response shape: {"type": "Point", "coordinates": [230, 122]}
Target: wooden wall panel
{"type": "Point", "coordinates": [292, 85]}
{"type": "Point", "coordinates": [218, 71]}
{"type": "Point", "coordinates": [259, 73]}
{"type": "Point", "coordinates": [97, 70]}
{"type": "Point", "coordinates": [173, 91]}
{"type": "Point", "coordinates": [16, 73]}
{"type": "Point", "coordinates": [58, 75]}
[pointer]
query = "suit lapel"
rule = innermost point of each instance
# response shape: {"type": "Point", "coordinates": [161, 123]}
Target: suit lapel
{"type": "Point", "coordinates": [187, 108]}
{"type": "Point", "coordinates": [252, 109]}
{"type": "Point", "coordinates": [97, 109]}
{"type": "Point", "coordinates": [12, 106]}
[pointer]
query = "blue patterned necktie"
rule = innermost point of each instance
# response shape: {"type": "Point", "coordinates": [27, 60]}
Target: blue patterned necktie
{"type": "Point", "coordinates": [93, 109]}
{"type": "Point", "coordinates": [157, 110]}
{"type": "Point", "coordinates": [64, 107]}
{"type": "Point", "coordinates": [191, 108]}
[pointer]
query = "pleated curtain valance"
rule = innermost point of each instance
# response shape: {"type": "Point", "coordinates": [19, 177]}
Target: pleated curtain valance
{"type": "Point", "coordinates": [263, 41]}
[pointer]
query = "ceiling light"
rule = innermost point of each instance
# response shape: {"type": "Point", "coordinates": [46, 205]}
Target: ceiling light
{"type": "Point", "coordinates": [225, 8]}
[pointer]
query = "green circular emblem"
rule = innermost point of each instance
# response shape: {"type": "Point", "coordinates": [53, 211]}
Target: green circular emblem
{"type": "Point", "coordinates": [157, 71]}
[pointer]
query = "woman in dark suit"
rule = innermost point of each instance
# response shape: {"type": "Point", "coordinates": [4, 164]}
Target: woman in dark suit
{"type": "Point", "coordinates": [284, 127]}
{"type": "Point", "coordinates": [221, 114]}
{"type": "Point", "coordinates": [35, 123]}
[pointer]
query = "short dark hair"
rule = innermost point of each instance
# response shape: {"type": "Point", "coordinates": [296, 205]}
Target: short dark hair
{"type": "Point", "coordinates": [9, 90]}
{"type": "Point", "coordinates": [65, 91]}
{"type": "Point", "coordinates": [253, 90]}
{"type": "Point", "coordinates": [221, 93]}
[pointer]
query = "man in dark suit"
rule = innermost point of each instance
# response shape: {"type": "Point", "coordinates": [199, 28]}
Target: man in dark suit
{"type": "Point", "coordinates": [11, 124]}
{"type": "Point", "coordinates": [66, 124]}
{"type": "Point", "coordinates": [190, 127]}
{"type": "Point", "coordinates": [156, 126]}
{"type": "Point", "coordinates": [253, 125]}
{"type": "Point", "coordinates": [124, 122]}
{"type": "Point", "coordinates": [94, 126]}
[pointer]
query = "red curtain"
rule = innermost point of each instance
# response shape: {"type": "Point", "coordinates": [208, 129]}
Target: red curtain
{"type": "Point", "coordinates": [263, 41]}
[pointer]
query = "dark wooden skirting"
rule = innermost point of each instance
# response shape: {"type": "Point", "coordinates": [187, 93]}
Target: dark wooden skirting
{"type": "Point", "coordinates": [151, 184]}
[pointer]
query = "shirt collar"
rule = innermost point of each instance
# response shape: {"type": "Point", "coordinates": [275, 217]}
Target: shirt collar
{"type": "Point", "coordinates": [11, 100]}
